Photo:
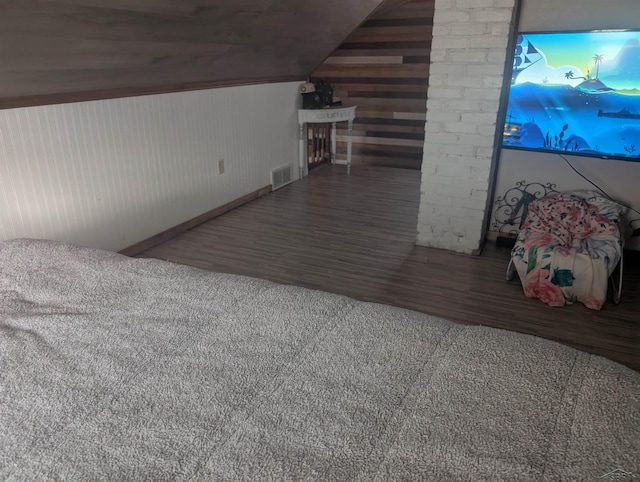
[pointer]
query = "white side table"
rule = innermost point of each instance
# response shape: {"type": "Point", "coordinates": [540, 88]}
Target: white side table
{"type": "Point", "coordinates": [322, 116]}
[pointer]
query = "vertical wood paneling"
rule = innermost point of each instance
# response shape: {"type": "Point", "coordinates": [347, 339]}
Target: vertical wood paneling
{"type": "Point", "coordinates": [111, 173]}
{"type": "Point", "coordinates": [383, 68]}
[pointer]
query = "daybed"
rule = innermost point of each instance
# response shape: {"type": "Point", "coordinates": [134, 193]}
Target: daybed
{"type": "Point", "coordinates": [568, 247]}
{"type": "Point", "coordinates": [114, 368]}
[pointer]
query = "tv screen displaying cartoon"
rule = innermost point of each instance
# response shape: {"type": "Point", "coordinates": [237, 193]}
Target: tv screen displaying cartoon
{"type": "Point", "coordinates": [576, 93]}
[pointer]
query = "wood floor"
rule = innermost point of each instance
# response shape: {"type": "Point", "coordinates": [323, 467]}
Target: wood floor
{"type": "Point", "coordinates": [354, 235]}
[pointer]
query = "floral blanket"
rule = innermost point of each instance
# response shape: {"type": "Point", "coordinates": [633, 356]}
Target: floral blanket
{"type": "Point", "coordinates": [566, 251]}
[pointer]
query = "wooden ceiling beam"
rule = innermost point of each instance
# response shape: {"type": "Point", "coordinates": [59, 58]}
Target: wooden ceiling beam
{"type": "Point", "coordinates": [61, 47]}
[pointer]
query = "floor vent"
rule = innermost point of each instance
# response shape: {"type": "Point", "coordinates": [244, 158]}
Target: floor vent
{"type": "Point", "coordinates": [281, 176]}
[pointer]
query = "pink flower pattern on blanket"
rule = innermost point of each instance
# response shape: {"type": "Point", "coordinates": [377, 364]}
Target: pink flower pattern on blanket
{"type": "Point", "coordinates": [537, 239]}
{"type": "Point", "coordinates": [565, 251]}
{"type": "Point", "coordinates": [566, 219]}
{"type": "Point", "coordinates": [537, 285]}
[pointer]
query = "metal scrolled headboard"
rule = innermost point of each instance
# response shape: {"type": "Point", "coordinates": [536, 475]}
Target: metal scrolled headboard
{"type": "Point", "coordinates": [511, 208]}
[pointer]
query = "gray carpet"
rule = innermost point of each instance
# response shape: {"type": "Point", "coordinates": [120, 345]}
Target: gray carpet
{"type": "Point", "coordinates": [117, 368]}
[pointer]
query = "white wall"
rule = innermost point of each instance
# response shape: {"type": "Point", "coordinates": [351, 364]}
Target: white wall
{"type": "Point", "coordinates": [545, 15]}
{"type": "Point", "coordinates": [618, 178]}
{"type": "Point", "coordinates": [110, 173]}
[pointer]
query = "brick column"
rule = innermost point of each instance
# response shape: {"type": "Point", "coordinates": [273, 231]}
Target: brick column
{"type": "Point", "coordinates": [468, 53]}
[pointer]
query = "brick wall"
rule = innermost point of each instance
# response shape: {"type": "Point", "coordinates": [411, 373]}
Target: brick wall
{"type": "Point", "coordinates": [468, 53]}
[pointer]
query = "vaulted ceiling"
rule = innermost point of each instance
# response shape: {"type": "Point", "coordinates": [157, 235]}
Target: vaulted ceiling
{"type": "Point", "coordinates": [61, 50]}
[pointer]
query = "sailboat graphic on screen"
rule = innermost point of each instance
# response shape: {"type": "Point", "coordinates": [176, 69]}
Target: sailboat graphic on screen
{"type": "Point", "coordinates": [526, 55]}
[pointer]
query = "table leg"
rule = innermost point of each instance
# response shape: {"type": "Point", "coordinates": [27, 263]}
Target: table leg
{"type": "Point", "coordinates": [301, 150]}
{"type": "Point", "coordinates": [333, 143]}
{"type": "Point", "coordinates": [349, 148]}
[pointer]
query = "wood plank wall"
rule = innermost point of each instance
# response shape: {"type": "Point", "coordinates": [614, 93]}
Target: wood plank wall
{"type": "Point", "coordinates": [76, 50]}
{"type": "Point", "coordinates": [383, 68]}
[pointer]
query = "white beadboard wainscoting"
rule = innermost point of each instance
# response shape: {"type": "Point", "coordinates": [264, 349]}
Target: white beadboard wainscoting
{"type": "Point", "coordinates": [111, 173]}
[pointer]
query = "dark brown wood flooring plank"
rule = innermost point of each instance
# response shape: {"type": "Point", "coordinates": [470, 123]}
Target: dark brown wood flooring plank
{"type": "Point", "coordinates": [397, 22]}
{"type": "Point", "coordinates": [378, 52]}
{"type": "Point", "coordinates": [401, 71]}
{"type": "Point", "coordinates": [385, 35]}
{"type": "Point", "coordinates": [355, 235]}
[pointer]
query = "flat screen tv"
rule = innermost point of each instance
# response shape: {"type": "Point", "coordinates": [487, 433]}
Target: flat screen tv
{"type": "Point", "coordinates": [575, 93]}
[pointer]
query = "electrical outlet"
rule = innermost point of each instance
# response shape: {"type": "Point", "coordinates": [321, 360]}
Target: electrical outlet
{"type": "Point", "coordinates": [221, 166]}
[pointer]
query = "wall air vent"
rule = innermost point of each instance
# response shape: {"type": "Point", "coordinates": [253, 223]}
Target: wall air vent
{"type": "Point", "coordinates": [281, 176]}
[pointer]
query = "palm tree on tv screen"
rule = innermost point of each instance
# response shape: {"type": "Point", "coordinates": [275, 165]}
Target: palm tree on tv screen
{"type": "Point", "coordinates": [597, 60]}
